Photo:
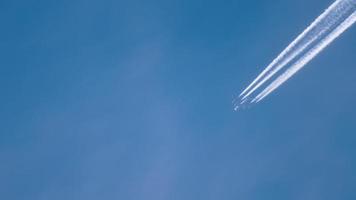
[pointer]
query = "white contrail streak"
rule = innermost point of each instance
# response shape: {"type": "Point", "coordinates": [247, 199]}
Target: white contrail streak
{"type": "Point", "coordinates": [288, 49]}
{"type": "Point", "coordinates": [307, 57]}
{"type": "Point", "coordinates": [326, 28]}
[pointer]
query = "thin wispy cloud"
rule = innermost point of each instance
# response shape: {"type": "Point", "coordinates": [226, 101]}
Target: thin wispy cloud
{"type": "Point", "coordinates": [316, 37]}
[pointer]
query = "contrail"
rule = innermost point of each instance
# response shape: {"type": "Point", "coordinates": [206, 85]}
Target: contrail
{"type": "Point", "coordinates": [326, 28]}
{"type": "Point", "coordinates": [307, 57]}
{"type": "Point", "coordinates": [284, 54]}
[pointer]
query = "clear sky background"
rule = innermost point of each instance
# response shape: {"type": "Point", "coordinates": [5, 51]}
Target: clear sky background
{"type": "Point", "coordinates": [131, 100]}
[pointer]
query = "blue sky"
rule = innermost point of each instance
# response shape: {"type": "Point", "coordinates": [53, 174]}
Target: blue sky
{"type": "Point", "coordinates": [132, 100]}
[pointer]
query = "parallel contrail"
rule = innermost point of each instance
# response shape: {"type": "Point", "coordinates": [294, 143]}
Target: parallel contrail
{"type": "Point", "coordinates": [326, 28]}
{"type": "Point", "coordinates": [290, 52]}
{"type": "Point", "coordinates": [307, 57]}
